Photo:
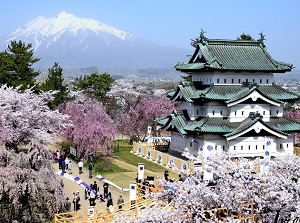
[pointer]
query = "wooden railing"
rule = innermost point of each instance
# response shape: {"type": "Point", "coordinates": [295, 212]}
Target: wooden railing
{"type": "Point", "coordinates": [132, 210]}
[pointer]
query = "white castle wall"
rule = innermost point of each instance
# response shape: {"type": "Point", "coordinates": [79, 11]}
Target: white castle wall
{"type": "Point", "coordinates": [233, 78]}
{"type": "Point", "coordinates": [250, 147]}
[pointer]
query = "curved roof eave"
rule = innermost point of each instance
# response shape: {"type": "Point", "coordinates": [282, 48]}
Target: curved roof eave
{"type": "Point", "coordinates": [257, 126]}
{"type": "Point", "coordinates": [251, 94]}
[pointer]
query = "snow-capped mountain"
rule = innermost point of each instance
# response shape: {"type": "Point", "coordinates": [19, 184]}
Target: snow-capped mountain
{"type": "Point", "coordinates": [80, 42]}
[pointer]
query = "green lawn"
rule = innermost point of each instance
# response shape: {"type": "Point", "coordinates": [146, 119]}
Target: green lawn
{"type": "Point", "coordinates": [122, 175]}
{"type": "Point", "coordinates": [119, 176]}
{"type": "Point", "coordinates": [123, 153]}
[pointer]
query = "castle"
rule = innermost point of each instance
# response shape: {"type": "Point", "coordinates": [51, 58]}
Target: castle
{"type": "Point", "coordinates": [231, 103]}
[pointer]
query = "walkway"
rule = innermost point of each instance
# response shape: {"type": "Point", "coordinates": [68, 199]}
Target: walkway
{"type": "Point", "coordinates": [71, 186]}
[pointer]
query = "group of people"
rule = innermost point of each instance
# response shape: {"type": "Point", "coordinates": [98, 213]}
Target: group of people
{"type": "Point", "coordinates": [91, 192]}
{"type": "Point", "coordinates": [76, 200]}
{"type": "Point", "coordinates": [64, 163]}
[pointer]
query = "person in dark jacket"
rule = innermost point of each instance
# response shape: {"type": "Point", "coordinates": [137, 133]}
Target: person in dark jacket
{"type": "Point", "coordinates": [105, 189]}
{"type": "Point", "coordinates": [90, 170]}
{"type": "Point", "coordinates": [109, 200]}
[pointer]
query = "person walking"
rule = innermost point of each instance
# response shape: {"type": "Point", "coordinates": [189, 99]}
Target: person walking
{"type": "Point", "coordinates": [76, 199]}
{"type": "Point", "coordinates": [67, 163]}
{"type": "Point", "coordinates": [120, 202]}
{"type": "Point", "coordinates": [70, 167]}
{"type": "Point", "coordinates": [80, 165]}
{"type": "Point", "coordinates": [109, 200]}
{"type": "Point", "coordinates": [63, 164]}
{"type": "Point", "coordinates": [90, 170]}
{"type": "Point", "coordinates": [85, 193]}
{"type": "Point", "coordinates": [95, 187]}
{"type": "Point", "coordinates": [92, 198]}
{"type": "Point", "coordinates": [166, 174]}
{"type": "Point", "coordinates": [105, 189]}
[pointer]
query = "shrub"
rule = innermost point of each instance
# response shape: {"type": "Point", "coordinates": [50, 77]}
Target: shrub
{"type": "Point", "coordinates": [102, 164]}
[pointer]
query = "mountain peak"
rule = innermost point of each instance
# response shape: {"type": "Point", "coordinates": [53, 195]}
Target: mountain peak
{"type": "Point", "coordinates": [75, 41]}
{"type": "Point", "coordinates": [66, 16]}
{"type": "Point", "coordinates": [65, 22]}
{"type": "Point", "coordinates": [62, 13]}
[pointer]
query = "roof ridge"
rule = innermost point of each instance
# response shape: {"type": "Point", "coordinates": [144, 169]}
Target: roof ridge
{"type": "Point", "coordinates": [256, 42]}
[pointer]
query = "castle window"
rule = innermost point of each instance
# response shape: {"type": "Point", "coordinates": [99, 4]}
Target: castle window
{"type": "Point", "coordinates": [218, 80]}
{"type": "Point", "coordinates": [242, 112]}
{"type": "Point", "coordinates": [232, 81]}
{"type": "Point", "coordinates": [253, 80]}
{"type": "Point", "coordinates": [246, 80]}
{"type": "Point", "coordinates": [234, 148]}
{"type": "Point", "coordinates": [224, 81]}
{"type": "Point", "coordinates": [223, 148]}
{"type": "Point", "coordinates": [277, 112]}
{"type": "Point", "coordinates": [270, 113]}
{"type": "Point", "coordinates": [287, 145]}
{"type": "Point", "coordinates": [280, 146]}
{"type": "Point", "coordinates": [256, 147]}
{"type": "Point", "coordinates": [263, 146]}
{"type": "Point", "coordinates": [267, 81]}
{"type": "Point", "coordinates": [235, 113]}
{"type": "Point", "coordinates": [260, 81]}
{"type": "Point", "coordinates": [213, 112]}
{"type": "Point", "coordinates": [221, 112]}
{"type": "Point", "coordinates": [249, 147]}
{"type": "Point", "coordinates": [197, 112]}
{"type": "Point", "coordinates": [239, 81]}
{"type": "Point", "coordinates": [216, 147]}
{"type": "Point", "coordinates": [241, 147]}
{"type": "Point", "coordinates": [264, 112]}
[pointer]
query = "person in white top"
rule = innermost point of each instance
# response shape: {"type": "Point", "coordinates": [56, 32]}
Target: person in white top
{"type": "Point", "coordinates": [70, 167]}
{"type": "Point", "coordinates": [67, 163]}
{"type": "Point", "coordinates": [92, 198]}
{"type": "Point", "coordinates": [80, 165]}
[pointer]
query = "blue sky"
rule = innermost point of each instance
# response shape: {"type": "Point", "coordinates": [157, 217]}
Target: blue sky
{"type": "Point", "coordinates": [175, 22]}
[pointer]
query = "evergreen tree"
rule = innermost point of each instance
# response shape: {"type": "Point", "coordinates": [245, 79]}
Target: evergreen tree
{"type": "Point", "coordinates": [4, 73]}
{"type": "Point", "coordinates": [16, 65]}
{"type": "Point", "coordinates": [55, 82]}
{"type": "Point", "coordinates": [95, 85]}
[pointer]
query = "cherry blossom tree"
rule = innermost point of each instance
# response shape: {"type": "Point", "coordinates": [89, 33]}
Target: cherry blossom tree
{"type": "Point", "coordinates": [143, 114]}
{"type": "Point", "coordinates": [92, 131]}
{"type": "Point", "coordinates": [238, 188]}
{"type": "Point", "coordinates": [29, 188]}
{"type": "Point", "coordinates": [293, 114]}
{"type": "Point", "coordinates": [123, 95]}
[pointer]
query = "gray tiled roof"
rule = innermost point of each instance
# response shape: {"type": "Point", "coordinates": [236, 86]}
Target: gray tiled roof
{"type": "Point", "coordinates": [230, 93]}
{"type": "Point", "coordinates": [222, 125]}
{"type": "Point", "coordinates": [232, 55]}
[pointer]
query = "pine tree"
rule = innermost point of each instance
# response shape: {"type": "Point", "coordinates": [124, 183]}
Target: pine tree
{"type": "Point", "coordinates": [95, 85]}
{"type": "Point", "coordinates": [55, 82]}
{"type": "Point", "coordinates": [16, 65]}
